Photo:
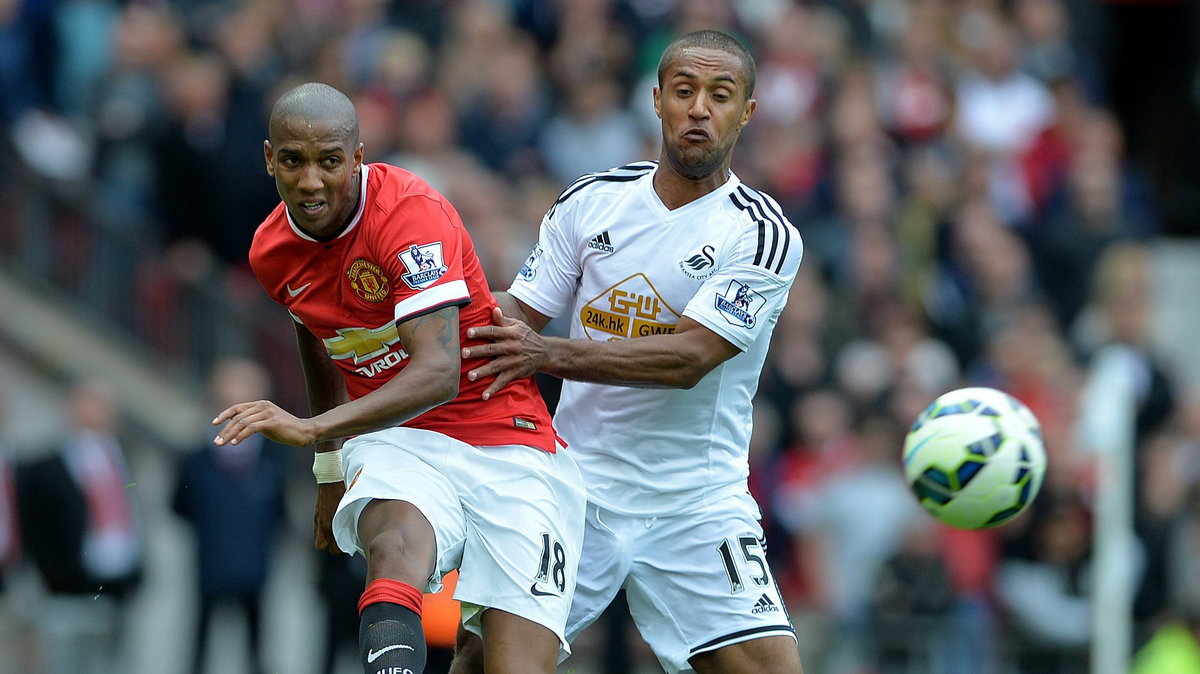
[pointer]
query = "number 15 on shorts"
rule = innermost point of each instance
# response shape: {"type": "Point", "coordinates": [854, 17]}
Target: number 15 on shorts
{"type": "Point", "coordinates": [744, 554]}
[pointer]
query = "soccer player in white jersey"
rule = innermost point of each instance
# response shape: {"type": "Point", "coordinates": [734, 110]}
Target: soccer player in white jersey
{"type": "Point", "coordinates": [673, 274]}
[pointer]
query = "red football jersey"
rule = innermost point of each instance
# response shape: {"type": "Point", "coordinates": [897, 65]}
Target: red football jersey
{"type": "Point", "coordinates": [405, 253]}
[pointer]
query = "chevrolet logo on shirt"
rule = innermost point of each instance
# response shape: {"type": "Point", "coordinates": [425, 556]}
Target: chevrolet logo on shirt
{"type": "Point", "coordinates": [362, 343]}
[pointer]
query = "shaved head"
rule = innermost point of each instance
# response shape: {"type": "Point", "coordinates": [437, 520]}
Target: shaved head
{"type": "Point", "coordinates": [716, 40]}
{"type": "Point", "coordinates": [315, 156]}
{"type": "Point", "coordinates": [312, 102]}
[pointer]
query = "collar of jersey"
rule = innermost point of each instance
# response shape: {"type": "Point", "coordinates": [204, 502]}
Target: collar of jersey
{"type": "Point", "coordinates": [666, 213]}
{"type": "Point", "coordinates": [362, 205]}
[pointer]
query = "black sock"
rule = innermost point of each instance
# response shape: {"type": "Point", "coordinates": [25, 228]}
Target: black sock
{"type": "Point", "coordinates": [390, 640]}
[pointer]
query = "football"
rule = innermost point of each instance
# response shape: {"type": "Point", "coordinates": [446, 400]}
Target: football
{"type": "Point", "coordinates": [974, 458]}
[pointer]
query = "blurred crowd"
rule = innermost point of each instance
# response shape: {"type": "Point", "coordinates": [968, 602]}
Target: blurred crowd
{"type": "Point", "coordinates": [962, 182]}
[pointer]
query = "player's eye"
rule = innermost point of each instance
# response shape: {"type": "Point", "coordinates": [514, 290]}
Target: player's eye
{"type": "Point", "coordinates": [332, 162]}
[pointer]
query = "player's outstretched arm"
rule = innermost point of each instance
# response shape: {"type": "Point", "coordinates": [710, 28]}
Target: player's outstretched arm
{"type": "Point", "coordinates": [262, 416]}
{"type": "Point", "coordinates": [429, 379]}
{"type": "Point", "coordinates": [678, 360]}
{"type": "Point", "coordinates": [325, 392]}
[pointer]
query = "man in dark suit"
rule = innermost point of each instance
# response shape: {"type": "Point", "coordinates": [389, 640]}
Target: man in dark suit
{"type": "Point", "coordinates": [233, 498]}
{"type": "Point", "coordinates": [79, 525]}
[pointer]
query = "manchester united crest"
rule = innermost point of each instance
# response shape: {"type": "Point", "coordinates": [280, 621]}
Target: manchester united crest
{"type": "Point", "coordinates": [368, 280]}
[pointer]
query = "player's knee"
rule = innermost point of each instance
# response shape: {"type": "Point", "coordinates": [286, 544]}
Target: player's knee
{"type": "Point", "coordinates": [390, 554]}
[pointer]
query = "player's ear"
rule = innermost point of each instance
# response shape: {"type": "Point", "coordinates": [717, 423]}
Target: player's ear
{"type": "Point", "coordinates": [269, 155]}
{"type": "Point", "coordinates": [358, 157]}
{"type": "Point", "coordinates": [748, 111]}
{"type": "Point", "coordinates": [658, 102]}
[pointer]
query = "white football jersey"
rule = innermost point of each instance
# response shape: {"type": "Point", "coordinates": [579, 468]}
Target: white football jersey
{"type": "Point", "coordinates": [622, 265]}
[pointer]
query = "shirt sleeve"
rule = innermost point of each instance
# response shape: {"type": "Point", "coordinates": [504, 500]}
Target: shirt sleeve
{"type": "Point", "coordinates": [423, 253]}
{"type": "Point", "coordinates": [744, 298]}
{"type": "Point", "coordinates": [550, 275]}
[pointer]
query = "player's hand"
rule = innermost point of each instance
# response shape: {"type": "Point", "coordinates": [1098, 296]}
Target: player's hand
{"type": "Point", "coordinates": [263, 416]}
{"type": "Point", "coordinates": [516, 350]}
{"type": "Point", "coordinates": [328, 497]}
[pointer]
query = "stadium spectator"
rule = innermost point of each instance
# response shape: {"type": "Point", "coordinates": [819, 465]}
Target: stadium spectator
{"type": "Point", "coordinates": [1183, 566]}
{"type": "Point", "coordinates": [1001, 110]}
{"type": "Point", "coordinates": [24, 31]}
{"type": "Point", "coordinates": [855, 523]}
{"type": "Point", "coordinates": [340, 579]}
{"type": "Point", "coordinates": [1041, 585]}
{"type": "Point", "coordinates": [81, 526]}
{"type": "Point", "coordinates": [10, 527]}
{"type": "Point", "coordinates": [984, 272]}
{"type": "Point", "coordinates": [1098, 204]}
{"type": "Point", "coordinates": [232, 498]}
{"type": "Point", "coordinates": [501, 122]}
{"type": "Point", "coordinates": [592, 131]}
{"type": "Point", "coordinates": [914, 80]}
{"type": "Point", "coordinates": [911, 602]}
{"type": "Point", "coordinates": [10, 523]}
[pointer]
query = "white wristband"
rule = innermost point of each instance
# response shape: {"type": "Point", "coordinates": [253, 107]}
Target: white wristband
{"type": "Point", "coordinates": [327, 466]}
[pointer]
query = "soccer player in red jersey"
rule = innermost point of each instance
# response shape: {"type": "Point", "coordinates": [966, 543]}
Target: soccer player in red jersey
{"type": "Point", "coordinates": [415, 470]}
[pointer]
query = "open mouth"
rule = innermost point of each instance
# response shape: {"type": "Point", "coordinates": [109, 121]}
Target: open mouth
{"type": "Point", "coordinates": [312, 207]}
{"type": "Point", "coordinates": [696, 135]}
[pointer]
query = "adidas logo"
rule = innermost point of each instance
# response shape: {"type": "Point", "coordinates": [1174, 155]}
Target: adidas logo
{"type": "Point", "coordinates": [602, 242]}
{"type": "Point", "coordinates": [764, 605]}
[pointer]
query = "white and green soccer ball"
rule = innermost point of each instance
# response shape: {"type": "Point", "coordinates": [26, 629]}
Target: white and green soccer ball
{"type": "Point", "coordinates": [974, 458]}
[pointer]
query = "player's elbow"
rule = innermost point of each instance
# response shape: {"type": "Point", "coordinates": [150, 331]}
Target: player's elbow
{"type": "Point", "coordinates": [689, 375]}
{"type": "Point", "coordinates": [442, 383]}
{"type": "Point", "coordinates": [448, 391]}
{"type": "Point", "coordinates": [695, 364]}
{"type": "Point", "coordinates": [694, 352]}
{"type": "Point", "coordinates": [448, 387]}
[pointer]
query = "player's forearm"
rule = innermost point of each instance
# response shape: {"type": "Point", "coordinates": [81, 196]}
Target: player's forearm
{"type": "Point", "coordinates": [426, 383]}
{"type": "Point", "coordinates": [659, 361]}
{"type": "Point", "coordinates": [409, 394]}
{"type": "Point", "coordinates": [515, 308]}
{"type": "Point", "coordinates": [510, 306]}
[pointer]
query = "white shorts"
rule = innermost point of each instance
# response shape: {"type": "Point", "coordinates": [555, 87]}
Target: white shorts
{"type": "Point", "coordinates": [509, 518]}
{"type": "Point", "coordinates": [695, 582]}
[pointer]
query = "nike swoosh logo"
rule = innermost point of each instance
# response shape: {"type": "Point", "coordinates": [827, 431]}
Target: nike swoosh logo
{"type": "Point", "coordinates": [297, 291]}
{"type": "Point", "coordinates": [538, 593]}
{"type": "Point", "coordinates": [372, 656]}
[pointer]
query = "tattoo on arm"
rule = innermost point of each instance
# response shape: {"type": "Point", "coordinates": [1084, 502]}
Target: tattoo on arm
{"type": "Point", "coordinates": [440, 326]}
{"type": "Point", "coordinates": [432, 341]}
